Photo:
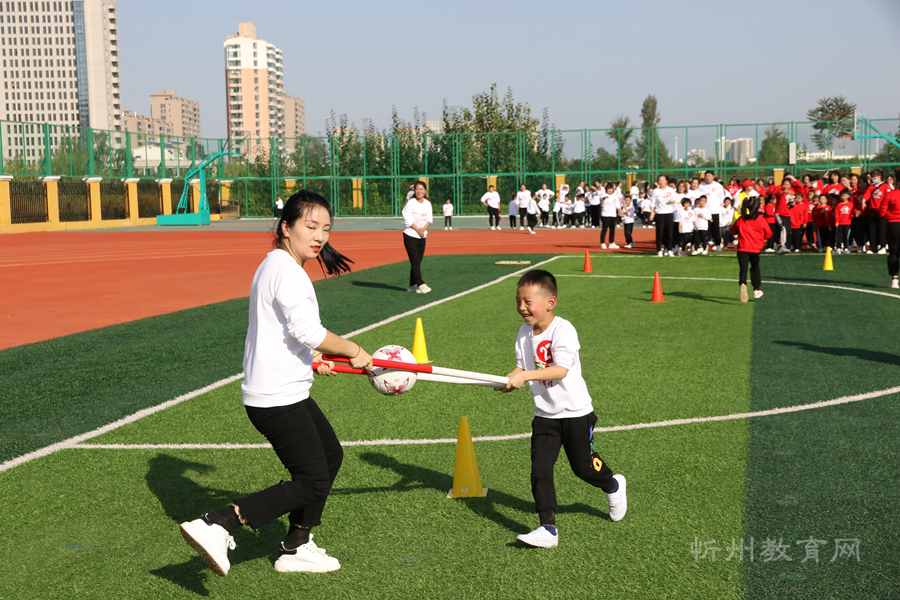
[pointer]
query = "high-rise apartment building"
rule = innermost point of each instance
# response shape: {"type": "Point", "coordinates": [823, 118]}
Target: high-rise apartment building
{"type": "Point", "coordinates": [740, 151]}
{"type": "Point", "coordinates": [60, 66]}
{"type": "Point", "coordinates": [254, 81]}
{"type": "Point", "coordinates": [294, 117]}
{"type": "Point", "coordinates": [184, 114]}
{"type": "Point", "coordinates": [143, 125]}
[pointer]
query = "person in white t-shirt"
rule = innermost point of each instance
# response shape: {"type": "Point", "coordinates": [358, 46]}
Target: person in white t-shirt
{"type": "Point", "coordinates": [725, 219]}
{"type": "Point", "coordinates": [492, 201]}
{"type": "Point", "coordinates": [523, 198]}
{"type": "Point", "coordinates": [693, 192]}
{"type": "Point", "coordinates": [702, 219]}
{"type": "Point", "coordinates": [685, 218]}
{"type": "Point", "coordinates": [448, 215]}
{"type": "Point", "coordinates": [578, 211]}
{"type": "Point", "coordinates": [557, 211]}
{"type": "Point", "coordinates": [547, 358]}
{"type": "Point", "coordinates": [544, 196]}
{"type": "Point", "coordinates": [715, 196]}
{"type": "Point", "coordinates": [567, 212]}
{"type": "Point", "coordinates": [532, 211]}
{"type": "Point", "coordinates": [662, 207]}
{"type": "Point", "coordinates": [644, 205]}
{"type": "Point", "coordinates": [610, 210]}
{"type": "Point", "coordinates": [628, 214]}
{"type": "Point", "coordinates": [417, 218]}
{"type": "Point", "coordinates": [594, 198]}
{"type": "Point", "coordinates": [284, 337]}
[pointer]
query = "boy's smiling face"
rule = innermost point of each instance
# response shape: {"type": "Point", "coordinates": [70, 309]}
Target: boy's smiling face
{"type": "Point", "coordinates": [535, 305]}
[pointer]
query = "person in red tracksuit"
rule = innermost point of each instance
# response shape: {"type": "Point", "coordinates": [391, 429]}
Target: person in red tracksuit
{"type": "Point", "coordinates": [872, 201]}
{"type": "Point", "coordinates": [890, 212]}
{"type": "Point", "coordinates": [798, 217]}
{"type": "Point", "coordinates": [752, 232]}
{"type": "Point", "coordinates": [783, 215]}
{"type": "Point", "coordinates": [843, 218]}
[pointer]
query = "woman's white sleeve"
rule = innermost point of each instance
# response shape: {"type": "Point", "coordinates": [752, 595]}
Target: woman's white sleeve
{"type": "Point", "coordinates": [300, 312]}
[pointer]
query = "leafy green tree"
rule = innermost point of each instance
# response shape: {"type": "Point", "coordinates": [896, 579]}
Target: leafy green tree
{"type": "Point", "coordinates": [649, 146]}
{"type": "Point", "coordinates": [774, 148]}
{"type": "Point", "coordinates": [832, 117]}
{"type": "Point", "coordinates": [620, 132]}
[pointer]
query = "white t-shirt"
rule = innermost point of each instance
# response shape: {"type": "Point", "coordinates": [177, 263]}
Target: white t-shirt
{"type": "Point", "coordinates": [556, 346]}
{"type": "Point", "coordinates": [579, 206]}
{"type": "Point", "coordinates": [702, 217]}
{"type": "Point", "coordinates": [685, 216]}
{"type": "Point", "coordinates": [663, 200]}
{"type": "Point", "coordinates": [279, 203]}
{"type": "Point", "coordinates": [543, 194]}
{"type": "Point", "coordinates": [492, 199]}
{"type": "Point", "coordinates": [563, 192]}
{"type": "Point", "coordinates": [645, 205]}
{"type": "Point", "coordinates": [715, 195]}
{"type": "Point", "coordinates": [727, 216]}
{"type": "Point", "coordinates": [284, 330]}
{"type": "Point", "coordinates": [628, 213]}
{"type": "Point", "coordinates": [610, 206]}
{"type": "Point", "coordinates": [416, 214]}
{"type": "Point", "coordinates": [567, 207]}
{"type": "Point", "coordinates": [593, 197]}
{"type": "Point", "coordinates": [448, 209]}
{"type": "Point", "coordinates": [523, 198]}
{"type": "Point", "coordinates": [634, 192]}
{"type": "Point", "coordinates": [693, 195]}
{"type": "Point", "coordinates": [532, 207]}
{"type": "Point", "coordinates": [544, 204]}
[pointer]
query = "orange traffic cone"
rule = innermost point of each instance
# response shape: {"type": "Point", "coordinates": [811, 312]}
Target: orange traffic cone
{"type": "Point", "coordinates": [466, 480]}
{"type": "Point", "coordinates": [657, 290]}
{"type": "Point", "coordinates": [587, 262]}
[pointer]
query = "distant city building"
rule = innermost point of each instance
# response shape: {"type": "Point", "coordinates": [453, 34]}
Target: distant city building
{"type": "Point", "coordinates": [145, 126]}
{"type": "Point", "coordinates": [740, 151]}
{"type": "Point", "coordinates": [60, 66]}
{"type": "Point", "coordinates": [294, 117]}
{"type": "Point", "coordinates": [254, 78]}
{"type": "Point", "coordinates": [183, 114]}
{"type": "Point", "coordinates": [696, 155]}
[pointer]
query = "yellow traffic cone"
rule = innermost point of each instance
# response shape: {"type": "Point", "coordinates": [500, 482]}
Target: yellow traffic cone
{"type": "Point", "coordinates": [829, 266]}
{"type": "Point", "coordinates": [466, 480]}
{"type": "Point", "coordinates": [419, 350]}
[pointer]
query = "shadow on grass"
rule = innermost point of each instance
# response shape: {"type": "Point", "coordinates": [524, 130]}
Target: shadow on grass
{"type": "Point", "coordinates": [413, 477]}
{"type": "Point", "coordinates": [375, 284]}
{"type": "Point", "coordinates": [696, 296]}
{"type": "Point", "coordinates": [172, 481]}
{"type": "Point", "coordinates": [861, 353]}
{"type": "Point", "coordinates": [823, 281]}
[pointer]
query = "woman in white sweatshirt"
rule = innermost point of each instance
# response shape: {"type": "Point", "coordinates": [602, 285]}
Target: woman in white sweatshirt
{"type": "Point", "coordinates": [284, 336]}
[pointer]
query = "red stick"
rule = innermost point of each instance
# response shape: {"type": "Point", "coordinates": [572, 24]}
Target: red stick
{"type": "Point", "coordinates": [389, 364]}
{"type": "Point", "coordinates": [342, 369]}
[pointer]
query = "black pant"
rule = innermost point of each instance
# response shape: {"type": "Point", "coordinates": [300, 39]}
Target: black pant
{"type": "Point", "coordinates": [609, 224]}
{"type": "Point", "coordinates": [686, 238]}
{"type": "Point", "coordinates": [726, 236]}
{"type": "Point", "coordinates": [306, 444]}
{"type": "Point", "coordinates": [843, 233]}
{"type": "Point", "coordinates": [893, 241]}
{"type": "Point", "coordinates": [448, 221]}
{"type": "Point", "coordinates": [595, 215]}
{"type": "Point", "coordinates": [664, 226]}
{"type": "Point", "coordinates": [714, 227]}
{"type": "Point", "coordinates": [415, 250]}
{"type": "Point", "coordinates": [556, 220]}
{"type": "Point", "coordinates": [776, 233]}
{"type": "Point", "coordinates": [877, 231]}
{"type": "Point", "coordinates": [701, 237]}
{"type": "Point", "coordinates": [576, 436]}
{"type": "Point", "coordinates": [532, 220]}
{"type": "Point", "coordinates": [796, 237]}
{"type": "Point", "coordinates": [751, 259]}
{"type": "Point", "coordinates": [545, 217]}
{"type": "Point", "coordinates": [512, 221]}
{"type": "Point", "coordinates": [811, 233]}
{"type": "Point", "coordinates": [523, 214]}
{"type": "Point", "coordinates": [493, 215]}
{"type": "Point", "coordinates": [627, 227]}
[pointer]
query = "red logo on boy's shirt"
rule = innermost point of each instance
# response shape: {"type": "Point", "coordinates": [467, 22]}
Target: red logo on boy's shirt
{"type": "Point", "coordinates": [543, 358]}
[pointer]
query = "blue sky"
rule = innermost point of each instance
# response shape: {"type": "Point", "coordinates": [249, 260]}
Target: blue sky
{"type": "Point", "coordinates": [706, 61]}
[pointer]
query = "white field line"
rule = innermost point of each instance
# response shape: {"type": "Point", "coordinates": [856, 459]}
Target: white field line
{"type": "Point", "coordinates": [517, 436]}
{"type": "Point", "coordinates": [73, 441]}
{"type": "Point", "coordinates": [819, 285]}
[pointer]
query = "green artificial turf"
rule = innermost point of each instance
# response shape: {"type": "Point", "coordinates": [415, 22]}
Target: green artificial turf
{"type": "Point", "coordinates": [829, 473]}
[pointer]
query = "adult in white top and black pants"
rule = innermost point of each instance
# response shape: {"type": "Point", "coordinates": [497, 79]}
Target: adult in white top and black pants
{"type": "Point", "coordinates": [417, 218]}
{"type": "Point", "coordinates": [492, 200]}
{"type": "Point", "coordinates": [663, 200]}
{"type": "Point", "coordinates": [284, 336]}
{"type": "Point", "coordinates": [523, 199]}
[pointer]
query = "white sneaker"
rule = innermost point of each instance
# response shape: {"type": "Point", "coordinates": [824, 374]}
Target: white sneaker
{"type": "Point", "coordinates": [540, 538]}
{"type": "Point", "coordinates": [412, 288]}
{"type": "Point", "coordinates": [783, 250]}
{"type": "Point", "coordinates": [744, 296]}
{"type": "Point", "coordinates": [695, 252]}
{"type": "Point", "coordinates": [212, 542]}
{"type": "Point", "coordinates": [445, 229]}
{"type": "Point", "coordinates": [521, 228]}
{"type": "Point", "coordinates": [492, 227]}
{"type": "Point", "coordinates": [670, 254]}
{"type": "Point", "coordinates": [450, 228]}
{"type": "Point", "coordinates": [307, 558]}
{"type": "Point", "coordinates": [757, 294]}
{"type": "Point", "coordinates": [704, 252]}
{"type": "Point", "coordinates": [629, 245]}
{"type": "Point", "coordinates": [882, 251]}
{"type": "Point", "coordinates": [895, 285]}
{"type": "Point", "coordinates": [423, 289]}
{"type": "Point", "coordinates": [796, 249]}
{"type": "Point", "coordinates": [618, 501]}
{"type": "Point", "coordinates": [659, 254]}
{"type": "Point", "coordinates": [613, 246]}
{"type": "Point", "coordinates": [603, 246]}
{"type": "Point", "coordinates": [869, 252]}
{"type": "Point", "coordinates": [530, 230]}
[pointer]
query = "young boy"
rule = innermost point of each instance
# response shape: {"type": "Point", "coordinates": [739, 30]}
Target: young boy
{"type": "Point", "coordinates": [685, 219]}
{"type": "Point", "coordinates": [702, 219]}
{"type": "Point", "coordinates": [547, 358]}
{"type": "Point", "coordinates": [448, 214]}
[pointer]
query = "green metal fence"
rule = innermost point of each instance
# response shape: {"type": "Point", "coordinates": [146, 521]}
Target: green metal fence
{"type": "Point", "coordinates": [371, 174]}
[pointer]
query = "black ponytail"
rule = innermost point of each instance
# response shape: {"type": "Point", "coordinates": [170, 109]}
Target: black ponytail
{"type": "Point", "coordinates": [750, 208]}
{"type": "Point", "coordinates": [331, 261]}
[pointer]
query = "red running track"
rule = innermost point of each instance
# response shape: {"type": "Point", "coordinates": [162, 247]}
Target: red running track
{"type": "Point", "coordinates": [58, 283]}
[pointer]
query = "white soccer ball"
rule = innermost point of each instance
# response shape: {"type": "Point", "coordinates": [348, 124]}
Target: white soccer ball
{"type": "Point", "coordinates": [392, 382]}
